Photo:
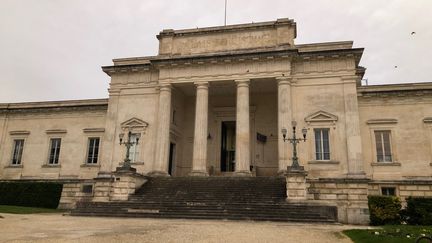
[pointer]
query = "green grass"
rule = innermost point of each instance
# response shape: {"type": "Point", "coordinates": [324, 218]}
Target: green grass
{"type": "Point", "coordinates": [26, 210]}
{"type": "Point", "coordinates": [389, 234]}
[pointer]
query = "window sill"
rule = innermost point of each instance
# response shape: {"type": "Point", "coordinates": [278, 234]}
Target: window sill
{"type": "Point", "coordinates": [90, 165]}
{"type": "Point", "coordinates": [324, 162]}
{"type": "Point", "coordinates": [51, 166]}
{"type": "Point", "coordinates": [14, 167]}
{"type": "Point", "coordinates": [386, 164]}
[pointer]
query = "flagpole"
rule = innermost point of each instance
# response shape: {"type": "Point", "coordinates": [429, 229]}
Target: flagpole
{"type": "Point", "coordinates": [225, 11]}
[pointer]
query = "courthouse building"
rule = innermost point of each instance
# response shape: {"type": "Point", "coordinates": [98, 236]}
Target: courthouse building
{"type": "Point", "coordinates": [213, 102]}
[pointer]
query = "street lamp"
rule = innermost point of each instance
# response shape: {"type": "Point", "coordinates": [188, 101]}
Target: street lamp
{"type": "Point", "coordinates": [294, 141]}
{"type": "Point", "coordinates": [128, 143]}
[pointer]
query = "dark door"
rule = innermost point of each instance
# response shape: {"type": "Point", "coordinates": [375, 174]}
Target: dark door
{"type": "Point", "coordinates": [224, 148]}
{"type": "Point", "coordinates": [171, 158]}
{"type": "Point", "coordinates": [228, 146]}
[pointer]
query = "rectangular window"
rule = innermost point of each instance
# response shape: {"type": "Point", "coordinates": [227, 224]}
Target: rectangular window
{"type": "Point", "coordinates": [17, 151]}
{"type": "Point", "coordinates": [322, 144]}
{"type": "Point", "coordinates": [54, 151]}
{"type": "Point", "coordinates": [87, 188]}
{"type": "Point", "coordinates": [134, 149]}
{"type": "Point", "coordinates": [383, 146]}
{"type": "Point", "coordinates": [388, 191]}
{"type": "Point", "coordinates": [93, 151]}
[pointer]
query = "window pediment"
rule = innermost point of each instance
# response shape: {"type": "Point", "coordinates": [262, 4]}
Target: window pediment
{"type": "Point", "coordinates": [321, 116]}
{"type": "Point", "coordinates": [134, 123]}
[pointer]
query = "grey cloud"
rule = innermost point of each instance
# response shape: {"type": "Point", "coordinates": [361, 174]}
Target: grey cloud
{"type": "Point", "coordinates": [53, 50]}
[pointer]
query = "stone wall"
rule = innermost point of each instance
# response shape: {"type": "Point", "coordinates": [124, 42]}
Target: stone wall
{"type": "Point", "coordinates": [73, 193]}
{"type": "Point", "coordinates": [404, 188]}
{"type": "Point", "coordinates": [349, 195]}
{"type": "Point", "coordinates": [125, 184]}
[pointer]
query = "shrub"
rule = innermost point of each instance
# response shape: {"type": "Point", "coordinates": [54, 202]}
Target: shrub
{"type": "Point", "coordinates": [418, 211]}
{"type": "Point", "coordinates": [384, 210]}
{"type": "Point", "coordinates": [30, 194]}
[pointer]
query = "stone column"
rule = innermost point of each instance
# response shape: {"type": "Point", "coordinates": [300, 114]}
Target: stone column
{"type": "Point", "coordinates": [242, 151]}
{"type": "Point", "coordinates": [352, 128]}
{"type": "Point", "coordinates": [199, 160]}
{"type": "Point", "coordinates": [284, 121]}
{"type": "Point", "coordinates": [160, 166]}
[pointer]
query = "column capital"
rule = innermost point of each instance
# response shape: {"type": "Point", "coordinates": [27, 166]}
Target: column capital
{"type": "Point", "coordinates": [165, 87]}
{"type": "Point", "coordinates": [242, 82]}
{"type": "Point", "coordinates": [284, 80]}
{"type": "Point", "coordinates": [201, 85]}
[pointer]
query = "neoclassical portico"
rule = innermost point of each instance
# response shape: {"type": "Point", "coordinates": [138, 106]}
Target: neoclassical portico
{"type": "Point", "coordinates": [244, 154]}
{"type": "Point", "coordinates": [199, 163]}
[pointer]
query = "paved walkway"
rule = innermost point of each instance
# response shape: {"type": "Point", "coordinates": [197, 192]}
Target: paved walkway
{"type": "Point", "coordinates": [58, 228]}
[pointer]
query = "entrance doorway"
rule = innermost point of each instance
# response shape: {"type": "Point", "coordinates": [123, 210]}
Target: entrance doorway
{"type": "Point", "coordinates": [171, 158]}
{"type": "Point", "coordinates": [228, 146]}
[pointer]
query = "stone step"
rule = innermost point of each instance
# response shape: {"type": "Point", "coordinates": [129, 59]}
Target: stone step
{"type": "Point", "coordinates": [249, 198]}
{"type": "Point", "coordinates": [211, 217]}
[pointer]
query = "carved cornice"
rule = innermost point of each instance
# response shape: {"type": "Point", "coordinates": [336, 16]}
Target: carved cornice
{"type": "Point", "coordinates": [257, 54]}
{"type": "Point", "coordinates": [381, 121]}
{"type": "Point", "coordinates": [427, 120]}
{"type": "Point", "coordinates": [65, 109]}
{"type": "Point", "coordinates": [93, 130]}
{"type": "Point", "coordinates": [54, 106]}
{"type": "Point", "coordinates": [20, 132]}
{"type": "Point", "coordinates": [129, 68]}
{"type": "Point", "coordinates": [56, 131]}
{"type": "Point", "coordinates": [396, 90]}
{"type": "Point", "coordinates": [396, 94]}
{"type": "Point", "coordinates": [227, 28]}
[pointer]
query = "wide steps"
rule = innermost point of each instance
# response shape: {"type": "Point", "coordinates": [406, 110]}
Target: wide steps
{"type": "Point", "coordinates": [232, 198]}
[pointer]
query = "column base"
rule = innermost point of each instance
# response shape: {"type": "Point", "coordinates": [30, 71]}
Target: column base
{"type": "Point", "coordinates": [158, 174]}
{"type": "Point", "coordinates": [198, 173]}
{"type": "Point", "coordinates": [242, 173]}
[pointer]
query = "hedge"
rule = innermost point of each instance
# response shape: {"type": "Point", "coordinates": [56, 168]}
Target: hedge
{"type": "Point", "coordinates": [418, 211]}
{"type": "Point", "coordinates": [30, 194]}
{"type": "Point", "coordinates": [384, 210]}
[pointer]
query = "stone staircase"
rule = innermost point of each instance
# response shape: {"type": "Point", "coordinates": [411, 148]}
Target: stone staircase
{"type": "Point", "coordinates": [235, 198]}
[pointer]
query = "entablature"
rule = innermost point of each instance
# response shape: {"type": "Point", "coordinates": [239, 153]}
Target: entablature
{"type": "Point", "coordinates": [398, 93]}
{"type": "Point", "coordinates": [54, 106]}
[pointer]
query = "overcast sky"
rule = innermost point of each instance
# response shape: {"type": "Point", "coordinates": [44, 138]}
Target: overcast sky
{"type": "Point", "coordinates": [53, 49]}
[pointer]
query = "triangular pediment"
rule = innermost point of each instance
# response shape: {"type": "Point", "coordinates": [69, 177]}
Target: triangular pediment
{"type": "Point", "coordinates": [134, 123]}
{"type": "Point", "coordinates": [321, 116]}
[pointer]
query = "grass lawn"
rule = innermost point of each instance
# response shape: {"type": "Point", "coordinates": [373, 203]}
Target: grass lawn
{"type": "Point", "coordinates": [389, 234]}
{"type": "Point", "coordinates": [26, 210]}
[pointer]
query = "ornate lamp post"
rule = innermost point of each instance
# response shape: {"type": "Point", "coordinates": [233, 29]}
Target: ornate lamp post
{"type": "Point", "coordinates": [128, 143]}
{"type": "Point", "coordinates": [294, 141]}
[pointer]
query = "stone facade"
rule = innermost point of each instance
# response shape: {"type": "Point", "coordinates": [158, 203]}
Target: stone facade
{"type": "Point", "coordinates": [214, 102]}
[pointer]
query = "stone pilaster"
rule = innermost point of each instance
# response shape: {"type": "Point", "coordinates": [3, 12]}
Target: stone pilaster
{"type": "Point", "coordinates": [352, 128]}
{"type": "Point", "coordinates": [242, 155]}
{"type": "Point", "coordinates": [284, 121]}
{"type": "Point", "coordinates": [199, 160]}
{"type": "Point", "coordinates": [160, 166]}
